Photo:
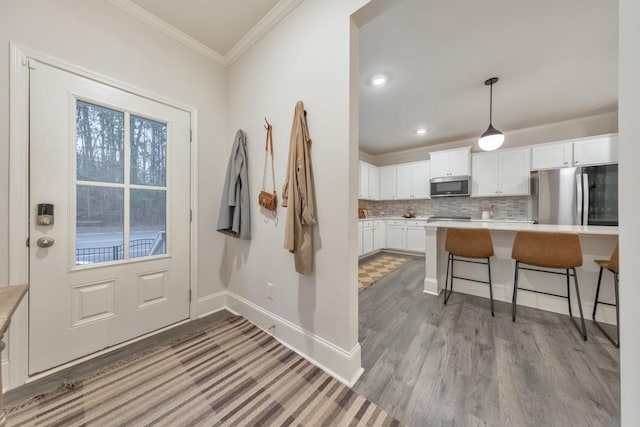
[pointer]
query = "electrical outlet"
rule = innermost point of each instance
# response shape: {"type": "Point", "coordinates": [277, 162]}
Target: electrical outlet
{"type": "Point", "coordinates": [270, 287]}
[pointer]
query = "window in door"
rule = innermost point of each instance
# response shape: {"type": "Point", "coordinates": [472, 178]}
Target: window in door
{"type": "Point", "coordinates": [119, 216]}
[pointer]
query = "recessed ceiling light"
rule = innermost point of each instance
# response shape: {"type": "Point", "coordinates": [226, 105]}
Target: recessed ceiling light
{"type": "Point", "coordinates": [379, 80]}
{"type": "Point", "coordinates": [421, 131]}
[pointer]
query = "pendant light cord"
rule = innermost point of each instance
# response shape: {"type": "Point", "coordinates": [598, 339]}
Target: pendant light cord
{"type": "Point", "coordinates": [491, 104]}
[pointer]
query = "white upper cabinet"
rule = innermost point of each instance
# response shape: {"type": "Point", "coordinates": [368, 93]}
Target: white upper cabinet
{"type": "Point", "coordinates": [501, 173]}
{"type": "Point", "coordinates": [421, 175]}
{"type": "Point", "coordinates": [484, 181]}
{"type": "Point", "coordinates": [455, 162]}
{"type": "Point", "coordinates": [412, 180]}
{"type": "Point", "coordinates": [404, 181]}
{"type": "Point", "coordinates": [387, 182]}
{"type": "Point", "coordinates": [595, 151]}
{"type": "Point", "coordinates": [514, 171]}
{"type": "Point", "coordinates": [551, 156]}
{"type": "Point", "coordinates": [459, 161]}
{"type": "Point", "coordinates": [374, 182]}
{"type": "Point", "coordinates": [364, 180]}
{"type": "Point", "coordinates": [369, 181]}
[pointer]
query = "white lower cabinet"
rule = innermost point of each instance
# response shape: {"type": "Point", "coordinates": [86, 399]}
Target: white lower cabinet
{"type": "Point", "coordinates": [379, 235]}
{"type": "Point", "coordinates": [367, 238]}
{"type": "Point", "coordinates": [415, 236]}
{"type": "Point", "coordinates": [396, 235]}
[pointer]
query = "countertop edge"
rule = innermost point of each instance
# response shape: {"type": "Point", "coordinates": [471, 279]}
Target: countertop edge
{"type": "Point", "coordinates": [597, 230]}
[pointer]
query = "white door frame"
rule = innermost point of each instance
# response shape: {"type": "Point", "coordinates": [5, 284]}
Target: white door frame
{"type": "Point", "coordinates": [19, 199]}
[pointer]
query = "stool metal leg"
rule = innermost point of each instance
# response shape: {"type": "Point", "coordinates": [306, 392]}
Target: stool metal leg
{"type": "Point", "coordinates": [584, 327]}
{"type": "Point", "coordinates": [514, 299]}
{"type": "Point", "coordinates": [446, 280]}
{"type": "Point", "coordinates": [569, 293]}
{"type": "Point", "coordinates": [595, 304]}
{"type": "Point", "coordinates": [490, 285]}
{"type": "Point", "coordinates": [615, 286]}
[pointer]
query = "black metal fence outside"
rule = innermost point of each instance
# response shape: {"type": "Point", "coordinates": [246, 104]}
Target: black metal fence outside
{"type": "Point", "coordinates": [137, 248]}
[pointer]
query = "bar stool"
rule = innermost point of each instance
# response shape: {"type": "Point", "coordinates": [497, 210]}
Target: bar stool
{"type": "Point", "coordinates": [548, 250]}
{"type": "Point", "coordinates": [611, 265]}
{"type": "Point", "coordinates": [468, 243]}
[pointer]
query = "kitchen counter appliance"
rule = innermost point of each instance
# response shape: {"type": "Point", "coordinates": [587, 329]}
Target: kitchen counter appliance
{"type": "Point", "coordinates": [449, 218]}
{"type": "Point", "coordinates": [576, 196]}
{"type": "Point", "coordinates": [450, 186]}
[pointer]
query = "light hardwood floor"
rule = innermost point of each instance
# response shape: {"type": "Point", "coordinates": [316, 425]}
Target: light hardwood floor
{"type": "Point", "coordinates": [433, 365]}
{"type": "Point", "coordinates": [93, 366]}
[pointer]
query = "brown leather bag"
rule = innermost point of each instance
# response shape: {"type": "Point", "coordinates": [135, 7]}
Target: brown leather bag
{"type": "Point", "coordinates": [268, 201]}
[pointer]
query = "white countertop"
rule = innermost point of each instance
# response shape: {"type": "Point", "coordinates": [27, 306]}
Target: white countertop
{"type": "Point", "coordinates": [424, 218]}
{"type": "Point", "coordinates": [377, 218]}
{"type": "Point", "coordinates": [522, 221]}
{"type": "Point", "coordinates": [517, 226]}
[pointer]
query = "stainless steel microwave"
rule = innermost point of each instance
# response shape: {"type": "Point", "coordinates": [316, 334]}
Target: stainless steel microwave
{"type": "Point", "coordinates": [449, 186]}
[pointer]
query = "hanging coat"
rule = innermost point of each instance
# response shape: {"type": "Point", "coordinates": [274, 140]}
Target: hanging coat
{"type": "Point", "coordinates": [298, 195]}
{"type": "Point", "coordinates": [235, 213]}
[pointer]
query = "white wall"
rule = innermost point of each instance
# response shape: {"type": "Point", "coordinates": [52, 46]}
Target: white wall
{"type": "Point", "coordinates": [629, 105]}
{"type": "Point", "coordinates": [306, 57]}
{"type": "Point", "coordinates": [101, 38]}
{"type": "Point", "coordinates": [585, 126]}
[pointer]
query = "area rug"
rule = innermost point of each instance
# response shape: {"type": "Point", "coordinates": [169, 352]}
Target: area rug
{"type": "Point", "coordinates": [230, 374]}
{"type": "Point", "coordinates": [373, 269]}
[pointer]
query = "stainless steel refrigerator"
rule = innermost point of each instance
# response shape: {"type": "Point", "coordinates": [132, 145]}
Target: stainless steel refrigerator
{"type": "Point", "coordinates": [576, 196]}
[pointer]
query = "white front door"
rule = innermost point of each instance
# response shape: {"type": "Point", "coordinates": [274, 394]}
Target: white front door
{"type": "Point", "coordinates": [116, 168]}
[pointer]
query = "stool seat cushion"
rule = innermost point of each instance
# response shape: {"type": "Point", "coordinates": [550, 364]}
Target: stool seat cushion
{"type": "Point", "coordinates": [548, 250]}
{"type": "Point", "coordinates": [469, 242]}
{"type": "Point", "coordinates": [610, 264]}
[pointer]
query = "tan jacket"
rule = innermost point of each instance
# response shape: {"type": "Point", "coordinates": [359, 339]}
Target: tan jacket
{"type": "Point", "coordinates": [298, 195]}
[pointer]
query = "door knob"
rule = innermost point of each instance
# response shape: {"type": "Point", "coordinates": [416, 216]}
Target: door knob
{"type": "Point", "coordinates": [45, 242]}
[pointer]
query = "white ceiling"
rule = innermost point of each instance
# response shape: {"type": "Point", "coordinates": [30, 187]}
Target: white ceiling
{"type": "Point", "coordinates": [218, 24]}
{"type": "Point", "coordinates": [556, 60]}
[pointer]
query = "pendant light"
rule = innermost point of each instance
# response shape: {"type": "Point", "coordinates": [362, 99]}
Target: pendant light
{"type": "Point", "coordinates": [492, 138]}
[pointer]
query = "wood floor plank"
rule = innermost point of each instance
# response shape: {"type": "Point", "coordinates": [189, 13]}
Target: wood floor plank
{"type": "Point", "coordinates": [430, 364]}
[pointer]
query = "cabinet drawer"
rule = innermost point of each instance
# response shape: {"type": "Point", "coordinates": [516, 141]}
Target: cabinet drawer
{"type": "Point", "coordinates": [367, 224]}
{"type": "Point", "coordinates": [416, 223]}
{"type": "Point", "coordinates": [396, 222]}
{"type": "Point", "coordinates": [378, 223]}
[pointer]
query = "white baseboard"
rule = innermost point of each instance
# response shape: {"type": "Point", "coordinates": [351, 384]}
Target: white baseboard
{"type": "Point", "coordinates": [431, 286]}
{"type": "Point", "coordinates": [5, 374]}
{"type": "Point", "coordinates": [502, 292]}
{"type": "Point", "coordinates": [341, 364]}
{"type": "Point", "coordinates": [211, 303]}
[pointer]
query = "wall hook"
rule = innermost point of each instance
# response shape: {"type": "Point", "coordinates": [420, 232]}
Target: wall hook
{"type": "Point", "coordinates": [268, 124]}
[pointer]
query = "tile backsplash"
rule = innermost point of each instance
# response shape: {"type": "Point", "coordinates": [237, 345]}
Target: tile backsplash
{"type": "Point", "coordinates": [517, 208]}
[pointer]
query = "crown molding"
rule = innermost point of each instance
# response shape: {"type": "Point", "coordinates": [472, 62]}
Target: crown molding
{"type": "Point", "coordinates": [266, 24]}
{"type": "Point", "coordinates": [150, 19]}
{"type": "Point", "coordinates": [420, 153]}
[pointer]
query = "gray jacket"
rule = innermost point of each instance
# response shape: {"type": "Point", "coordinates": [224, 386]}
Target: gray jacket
{"type": "Point", "coordinates": [235, 212]}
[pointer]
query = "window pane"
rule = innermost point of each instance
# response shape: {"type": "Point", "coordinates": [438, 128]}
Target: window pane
{"type": "Point", "coordinates": [99, 224]}
{"type": "Point", "coordinates": [148, 223]}
{"type": "Point", "coordinates": [99, 143]}
{"type": "Point", "coordinates": [148, 152]}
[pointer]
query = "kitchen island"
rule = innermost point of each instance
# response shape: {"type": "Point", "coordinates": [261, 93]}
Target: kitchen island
{"type": "Point", "coordinates": [597, 242]}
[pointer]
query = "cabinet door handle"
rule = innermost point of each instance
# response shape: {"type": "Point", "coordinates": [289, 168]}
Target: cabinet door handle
{"type": "Point", "coordinates": [566, 163]}
{"type": "Point", "coordinates": [576, 162]}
